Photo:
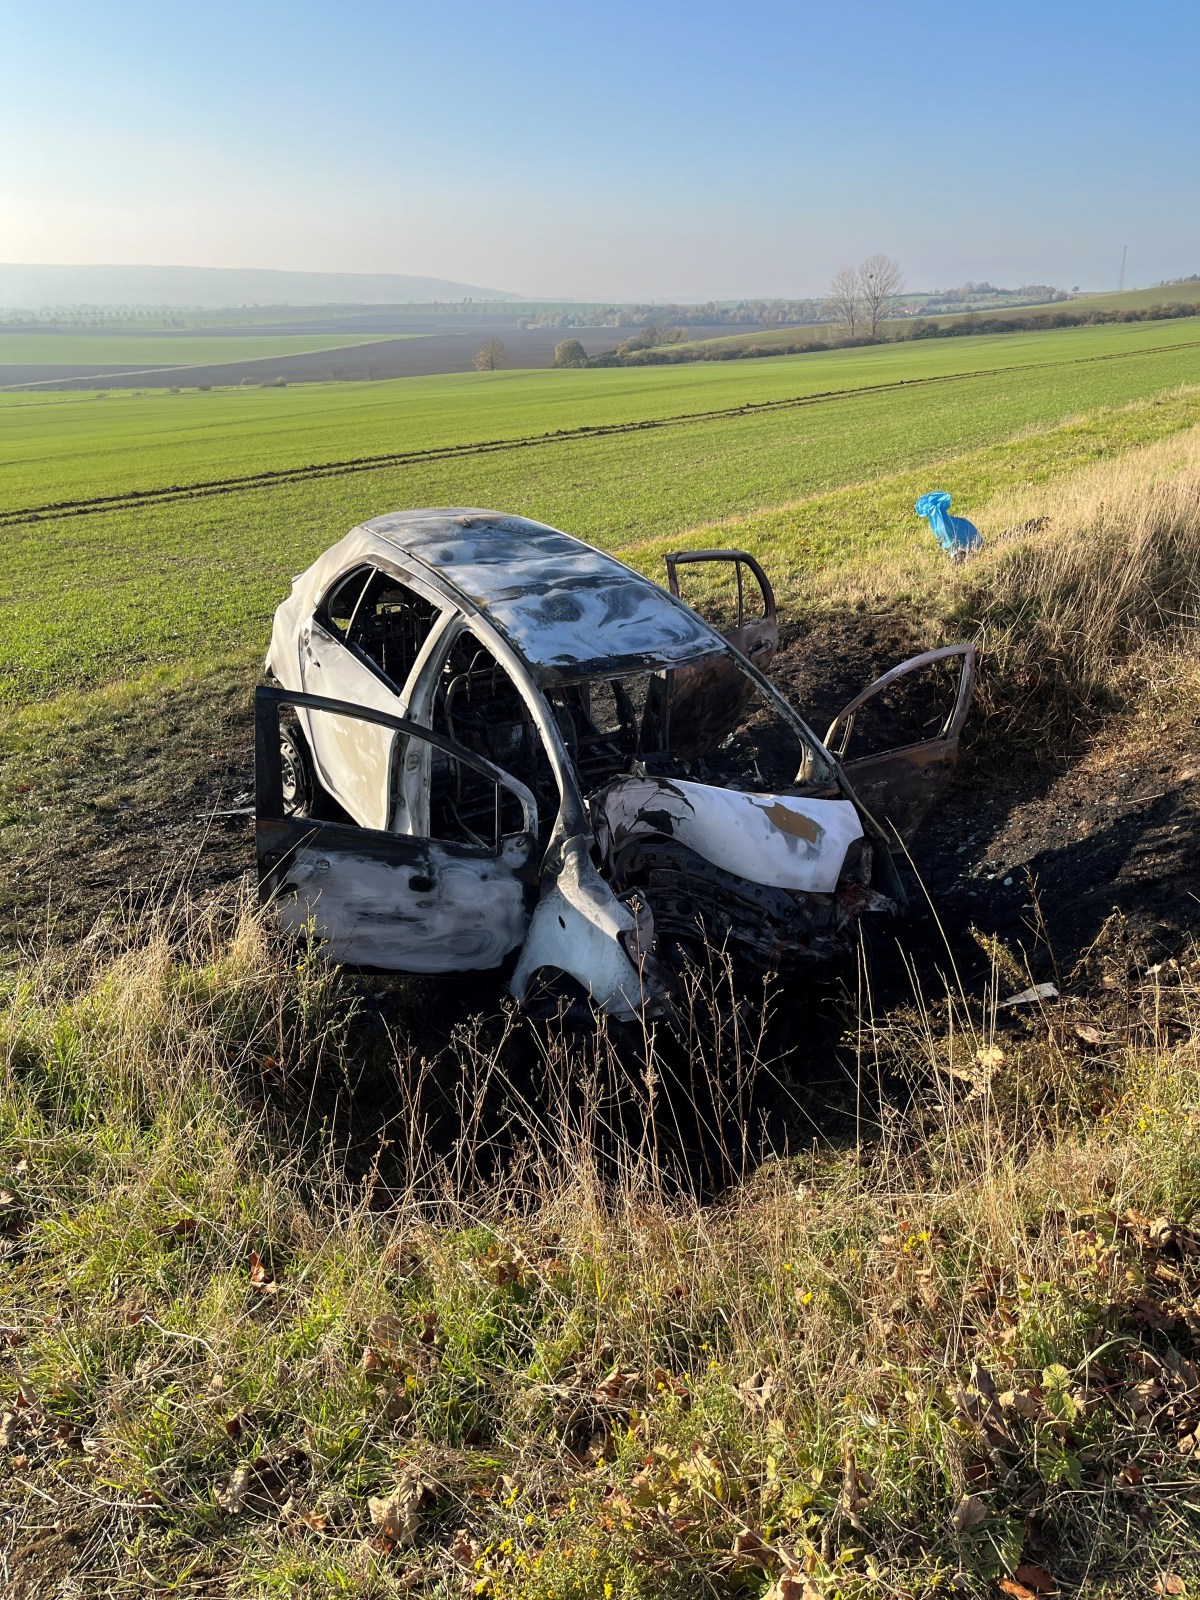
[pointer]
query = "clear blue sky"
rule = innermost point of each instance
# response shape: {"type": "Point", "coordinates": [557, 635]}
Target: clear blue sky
{"type": "Point", "coordinates": [620, 150]}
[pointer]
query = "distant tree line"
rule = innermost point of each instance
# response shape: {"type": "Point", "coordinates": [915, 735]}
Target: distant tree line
{"type": "Point", "coordinates": [896, 333]}
{"type": "Point", "coordinates": [709, 313]}
{"type": "Point", "coordinates": [95, 317]}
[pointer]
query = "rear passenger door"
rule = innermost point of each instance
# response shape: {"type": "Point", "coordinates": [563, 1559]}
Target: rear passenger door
{"type": "Point", "coordinates": [361, 646]}
{"type": "Point", "coordinates": [448, 899]}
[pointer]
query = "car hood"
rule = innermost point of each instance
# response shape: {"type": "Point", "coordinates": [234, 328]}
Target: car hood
{"type": "Point", "coordinates": [785, 841]}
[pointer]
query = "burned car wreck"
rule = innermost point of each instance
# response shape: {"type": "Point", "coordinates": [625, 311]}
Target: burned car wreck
{"type": "Point", "coordinates": [487, 745]}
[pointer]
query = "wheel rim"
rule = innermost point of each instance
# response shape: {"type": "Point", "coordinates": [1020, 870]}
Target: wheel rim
{"type": "Point", "coordinates": [293, 776]}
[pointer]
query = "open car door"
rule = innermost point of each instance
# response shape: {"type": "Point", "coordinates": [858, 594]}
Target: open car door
{"type": "Point", "coordinates": [900, 786]}
{"type": "Point", "coordinates": [439, 901]}
{"type": "Point", "coordinates": [707, 699]}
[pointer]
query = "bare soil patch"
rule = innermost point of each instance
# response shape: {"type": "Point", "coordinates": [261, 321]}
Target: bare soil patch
{"type": "Point", "coordinates": [423, 356]}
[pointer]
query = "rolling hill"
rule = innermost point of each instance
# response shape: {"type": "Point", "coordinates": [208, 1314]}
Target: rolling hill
{"type": "Point", "coordinates": [28, 287]}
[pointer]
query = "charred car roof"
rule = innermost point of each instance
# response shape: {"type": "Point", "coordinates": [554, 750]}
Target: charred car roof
{"type": "Point", "coordinates": [567, 608]}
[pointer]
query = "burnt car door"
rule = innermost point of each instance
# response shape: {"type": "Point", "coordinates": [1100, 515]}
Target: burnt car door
{"type": "Point", "coordinates": [708, 697]}
{"type": "Point", "coordinates": [901, 784]}
{"type": "Point", "coordinates": [440, 900]}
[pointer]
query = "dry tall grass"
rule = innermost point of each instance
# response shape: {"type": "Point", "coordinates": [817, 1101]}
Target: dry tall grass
{"type": "Point", "coordinates": [1079, 577]}
{"type": "Point", "coordinates": [954, 1350]}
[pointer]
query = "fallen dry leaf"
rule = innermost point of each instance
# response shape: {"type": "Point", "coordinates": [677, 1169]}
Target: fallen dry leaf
{"type": "Point", "coordinates": [756, 1392]}
{"type": "Point", "coordinates": [1020, 1401]}
{"type": "Point", "coordinates": [9, 1426]}
{"type": "Point", "coordinates": [1018, 1591]}
{"type": "Point", "coordinates": [616, 1386]}
{"type": "Point", "coordinates": [464, 1549]}
{"type": "Point", "coordinates": [233, 1496]}
{"type": "Point", "coordinates": [971, 1511]}
{"type": "Point", "coordinates": [181, 1228]}
{"type": "Point", "coordinates": [1030, 997]}
{"type": "Point", "coordinates": [748, 1546]}
{"type": "Point", "coordinates": [1145, 1396]}
{"type": "Point", "coordinates": [1169, 1583]}
{"type": "Point", "coordinates": [261, 1276]}
{"type": "Point", "coordinates": [793, 1585]}
{"type": "Point", "coordinates": [1035, 1578]}
{"type": "Point", "coordinates": [397, 1515]}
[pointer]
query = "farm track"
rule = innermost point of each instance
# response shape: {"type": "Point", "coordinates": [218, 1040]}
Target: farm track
{"type": "Point", "coordinates": [202, 489]}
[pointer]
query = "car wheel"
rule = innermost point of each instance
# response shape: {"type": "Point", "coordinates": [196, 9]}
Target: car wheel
{"type": "Point", "coordinates": [300, 787]}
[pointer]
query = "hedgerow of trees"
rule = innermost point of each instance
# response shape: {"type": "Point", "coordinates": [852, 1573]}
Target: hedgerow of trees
{"type": "Point", "coordinates": [910, 328]}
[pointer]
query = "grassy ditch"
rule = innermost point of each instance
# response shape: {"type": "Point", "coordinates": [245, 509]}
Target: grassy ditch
{"type": "Point", "coordinates": [958, 1350]}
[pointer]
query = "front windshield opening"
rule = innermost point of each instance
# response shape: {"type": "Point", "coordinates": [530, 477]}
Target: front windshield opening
{"type": "Point", "coordinates": [708, 721]}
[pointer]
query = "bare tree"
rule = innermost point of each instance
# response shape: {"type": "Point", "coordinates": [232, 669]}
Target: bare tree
{"type": "Point", "coordinates": [843, 301]}
{"type": "Point", "coordinates": [490, 355]}
{"type": "Point", "coordinates": [881, 283]}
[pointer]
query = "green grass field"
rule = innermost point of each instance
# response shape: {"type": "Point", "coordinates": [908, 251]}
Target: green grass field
{"type": "Point", "coordinates": [1186, 294]}
{"type": "Point", "coordinates": [162, 350]}
{"type": "Point", "coordinates": [67, 447]}
{"type": "Point", "coordinates": [95, 597]}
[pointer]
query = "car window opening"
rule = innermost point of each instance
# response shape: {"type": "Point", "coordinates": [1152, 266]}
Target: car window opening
{"type": "Point", "coordinates": [380, 618]}
{"type": "Point", "coordinates": [478, 706]}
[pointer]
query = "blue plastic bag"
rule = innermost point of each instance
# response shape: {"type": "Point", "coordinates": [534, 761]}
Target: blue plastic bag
{"type": "Point", "coordinates": [955, 534]}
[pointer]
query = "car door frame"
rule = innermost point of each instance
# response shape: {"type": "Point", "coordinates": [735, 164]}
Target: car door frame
{"type": "Point", "coordinates": [376, 855]}
{"type": "Point", "coordinates": [900, 786]}
{"type": "Point", "coordinates": [707, 697]}
{"type": "Point", "coordinates": [742, 635]}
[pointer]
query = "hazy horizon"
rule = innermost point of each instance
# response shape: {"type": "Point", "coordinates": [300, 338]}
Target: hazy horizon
{"type": "Point", "coordinates": [281, 285]}
{"type": "Point", "coordinates": [663, 153]}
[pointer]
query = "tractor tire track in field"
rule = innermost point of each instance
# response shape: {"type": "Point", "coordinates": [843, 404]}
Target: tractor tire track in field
{"type": "Point", "coordinates": [282, 476]}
